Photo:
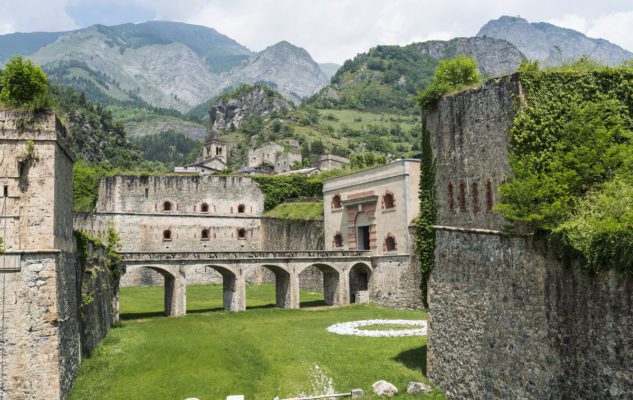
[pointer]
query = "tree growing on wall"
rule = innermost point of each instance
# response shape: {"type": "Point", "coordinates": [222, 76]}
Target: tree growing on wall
{"type": "Point", "coordinates": [450, 76]}
{"type": "Point", "coordinates": [23, 83]}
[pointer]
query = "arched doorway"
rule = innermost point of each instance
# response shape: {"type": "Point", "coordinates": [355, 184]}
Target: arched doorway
{"type": "Point", "coordinates": [359, 283]}
{"type": "Point", "coordinates": [233, 289]}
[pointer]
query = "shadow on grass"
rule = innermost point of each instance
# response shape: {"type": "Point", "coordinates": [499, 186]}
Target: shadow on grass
{"type": "Point", "coordinates": [154, 314]}
{"type": "Point", "coordinates": [414, 359]}
{"type": "Point", "coordinates": [313, 303]}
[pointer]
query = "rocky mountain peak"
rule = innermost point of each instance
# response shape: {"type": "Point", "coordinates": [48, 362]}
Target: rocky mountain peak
{"type": "Point", "coordinates": [551, 44]}
{"type": "Point", "coordinates": [233, 109]}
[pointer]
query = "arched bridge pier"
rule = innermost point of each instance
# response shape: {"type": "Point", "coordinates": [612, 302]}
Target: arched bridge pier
{"type": "Point", "coordinates": [234, 267]}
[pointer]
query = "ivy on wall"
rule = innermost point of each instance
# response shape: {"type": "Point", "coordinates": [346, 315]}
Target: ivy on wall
{"type": "Point", "coordinates": [425, 233]}
{"type": "Point", "coordinates": [572, 159]}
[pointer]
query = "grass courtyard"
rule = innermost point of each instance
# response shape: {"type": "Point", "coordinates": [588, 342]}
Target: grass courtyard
{"type": "Point", "coordinates": [262, 353]}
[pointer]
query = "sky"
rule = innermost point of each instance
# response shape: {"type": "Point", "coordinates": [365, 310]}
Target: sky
{"type": "Point", "coordinates": [331, 30]}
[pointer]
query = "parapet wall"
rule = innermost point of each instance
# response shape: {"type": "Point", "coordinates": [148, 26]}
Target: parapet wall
{"type": "Point", "coordinates": [510, 321]}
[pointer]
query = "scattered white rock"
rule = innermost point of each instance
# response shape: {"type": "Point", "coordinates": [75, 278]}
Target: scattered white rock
{"type": "Point", "coordinates": [351, 328]}
{"type": "Point", "coordinates": [357, 393]}
{"type": "Point", "coordinates": [418, 388]}
{"type": "Point", "coordinates": [384, 388]}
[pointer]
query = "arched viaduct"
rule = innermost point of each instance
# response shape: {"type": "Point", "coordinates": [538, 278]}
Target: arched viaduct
{"type": "Point", "coordinates": [339, 268]}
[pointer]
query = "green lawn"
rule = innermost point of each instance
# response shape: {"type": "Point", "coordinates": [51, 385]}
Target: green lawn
{"type": "Point", "coordinates": [262, 353]}
{"type": "Point", "coordinates": [297, 210]}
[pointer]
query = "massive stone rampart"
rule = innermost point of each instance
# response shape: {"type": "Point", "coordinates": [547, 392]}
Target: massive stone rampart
{"type": "Point", "coordinates": [507, 318]}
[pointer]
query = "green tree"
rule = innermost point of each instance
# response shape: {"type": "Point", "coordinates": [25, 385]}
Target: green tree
{"type": "Point", "coordinates": [450, 76]}
{"type": "Point", "coordinates": [23, 82]}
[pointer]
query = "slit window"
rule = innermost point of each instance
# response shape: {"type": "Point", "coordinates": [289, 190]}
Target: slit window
{"type": "Point", "coordinates": [462, 197]}
{"type": "Point", "coordinates": [489, 201]}
{"type": "Point", "coordinates": [5, 191]}
{"type": "Point", "coordinates": [146, 193]}
{"type": "Point", "coordinates": [451, 198]}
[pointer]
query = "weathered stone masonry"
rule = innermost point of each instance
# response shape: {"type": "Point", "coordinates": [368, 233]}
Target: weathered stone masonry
{"type": "Point", "coordinates": [507, 319]}
{"type": "Point", "coordinates": [40, 328]}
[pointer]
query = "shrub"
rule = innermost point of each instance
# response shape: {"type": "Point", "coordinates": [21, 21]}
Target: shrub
{"type": "Point", "coordinates": [451, 75]}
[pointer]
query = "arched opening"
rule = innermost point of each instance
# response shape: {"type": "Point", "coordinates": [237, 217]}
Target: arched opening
{"type": "Point", "coordinates": [268, 286]}
{"type": "Point", "coordinates": [320, 285]}
{"type": "Point", "coordinates": [204, 207]}
{"type": "Point", "coordinates": [232, 292]}
{"type": "Point", "coordinates": [390, 243]}
{"type": "Point", "coordinates": [141, 289]}
{"type": "Point", "coordinates": [336, 201]}
{"type": "Point", "coordinates": [359, 283]}
{"type": "Point", "coordinates": [167, 235]}
{"type": "Point", "coordinates": [204, 235]}
{"type": "Point", "coordinates": [338, 240]}
{"type": "Point", "coordinates": [388, 200]}
{"type": "Point", "coordinates": [167, 206]}
{"type": "Point", "coordinates": [241, 234]}
{"type": "Point", "coordinates": [241, 209]}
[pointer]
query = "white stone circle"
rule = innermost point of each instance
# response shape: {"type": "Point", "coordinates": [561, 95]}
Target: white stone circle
{"type": "Point", "coordinates": [351, 328]}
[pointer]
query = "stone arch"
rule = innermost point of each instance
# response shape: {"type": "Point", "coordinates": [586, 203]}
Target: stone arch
{"type": "Point", "coordinates": [360, 276]}
{"type": "Point", "coordinates": [283, 284]}
{"type": "Point", "coordinates": [233, 287]}
{"type": "Point", "coordinates": [167, 235]}
{"type": "Point", "coordinates": [175, 287]}
{"type": "Point", "coordinates": [331, 277]}
{"type": "Point", "coordinates": [167, 206]}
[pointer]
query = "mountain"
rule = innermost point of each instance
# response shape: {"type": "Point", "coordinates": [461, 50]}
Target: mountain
{"type": "Point", "coordinates": [286, 68]}
{"type": "Point", "coordinates": [388, 77]}
{"type": "Point", "coordinates": [234, 109]}
{"type": "Point", "coordinates": [163, 64]}
{"type": "Point", "coordinates": [551, 44]}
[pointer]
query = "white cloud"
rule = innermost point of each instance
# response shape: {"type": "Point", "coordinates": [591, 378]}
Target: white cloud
{"type": "Point", "coordinates": [571, 21]}
{"type": "Point", "coordinates": [335, 30]}
{"type": "Point", "coordinates": [616, 27]}
{"type": "Point", "coordinates": [35, 15]}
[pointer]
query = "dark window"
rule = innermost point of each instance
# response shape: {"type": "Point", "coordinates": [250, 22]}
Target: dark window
{"type": "Point", "coordinates": [146, 193]}
{"type": "Point", "coordinates": [218, 151]}
{"type": "Point", "coordinates": [167, 234]}
{"type": "Point", "coordinates": [489, 196]}
{"type": "Point", "coordinates": [390, 243]}
{"type": "Point", "coordinates": [167, 206]}
{"type": "Point", "coordinates": [388, 200]}
{"type": "Point", "coordinates": [6, 191]}
{"type": "Point", "coordinates": [336, 201]}
{"type": "Point", "coordinates": [241, 209]}
{"type": "Point", "coordinates": [362, 238]}
{"type": "Point", "coordinates": [475, 195]}
{"type": "Point", "coordinates": [204, 208]}
{"type": "Point", "coordinates": [338, 240]}
{"type": "Point", "coordinates": [462, 197]}
{"type": "Point", "coordinates": [451, 205]}
{"type": "Point", "coordinates": [241, 233]}
{"type": "Point", "coordinates": [205, 234]}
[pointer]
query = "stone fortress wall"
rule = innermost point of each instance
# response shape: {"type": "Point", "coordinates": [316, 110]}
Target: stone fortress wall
{"type": "Point", "coordinates": [507, 319]}
{"type": "Point", "coordinates": [42, 332]}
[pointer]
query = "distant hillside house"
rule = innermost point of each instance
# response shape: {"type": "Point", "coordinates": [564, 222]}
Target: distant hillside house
{"type": "Point", "coordinates": [279, 157]}
{"type": "Point", "coordinates": [213, 159]}
{"type": "Point", "coordinates": [328, 162]}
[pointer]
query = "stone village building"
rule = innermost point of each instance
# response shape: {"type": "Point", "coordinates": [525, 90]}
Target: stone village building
{"type": "Point", "coordinates": [214, 157]}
